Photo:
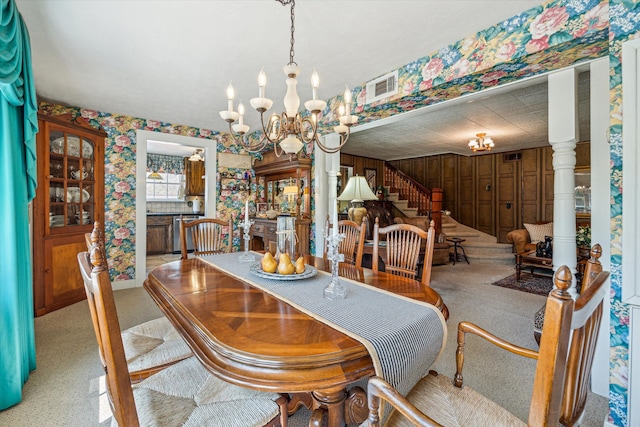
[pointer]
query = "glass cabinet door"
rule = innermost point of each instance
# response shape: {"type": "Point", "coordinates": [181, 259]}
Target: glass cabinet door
{"type": "Point", "coordinates": [71, 180]}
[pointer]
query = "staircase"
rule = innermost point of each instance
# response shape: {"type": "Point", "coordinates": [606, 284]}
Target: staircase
{"type": "Point", "coordinates": [412, 199]}
{"type": "Point", "coordinates": [481, 248]}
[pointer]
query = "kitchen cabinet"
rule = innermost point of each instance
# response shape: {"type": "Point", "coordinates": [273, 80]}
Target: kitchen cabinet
{"type": "Point", "coordinates": [194, 181]}
{"type": "Point", "coordinates": [69, 198]}
{"type": "Point", "coordinates": [159, 234]}
{"type": "Point", "coordinates": [273, 174]}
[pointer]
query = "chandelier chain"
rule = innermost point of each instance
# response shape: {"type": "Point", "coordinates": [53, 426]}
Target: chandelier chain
{"type": "Point", "coordinates": [295, 128]}
{"type": "Point", "coordinates": [293, 28]}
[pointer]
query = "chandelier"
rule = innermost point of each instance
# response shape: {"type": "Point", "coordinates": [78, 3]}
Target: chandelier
{"type": "Point", "coordinates": [197, 155]}
{"type": "Point", "coordinates": [290, 128]}
{"type": "Point", "coordinates": [481, 143]}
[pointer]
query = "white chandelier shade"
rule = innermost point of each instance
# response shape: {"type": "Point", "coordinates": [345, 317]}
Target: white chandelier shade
{"type": "Point", "coordinates": [481, 143]}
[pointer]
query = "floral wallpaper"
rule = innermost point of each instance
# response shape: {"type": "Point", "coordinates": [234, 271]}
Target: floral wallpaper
{"type": "Point", "coordinates": [551, 36]}
{"type": "Point", "coordinates": [625, 25]}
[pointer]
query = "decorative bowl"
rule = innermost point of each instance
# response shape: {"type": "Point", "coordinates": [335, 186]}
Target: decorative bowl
{"type": "Point", "coordinates": [272, 213]}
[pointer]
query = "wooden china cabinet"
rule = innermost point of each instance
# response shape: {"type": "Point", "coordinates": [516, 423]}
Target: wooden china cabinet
{"type": "Point", "coordinates": [272, 175]}
{"type": "Point", "coordinates": [69, 198]}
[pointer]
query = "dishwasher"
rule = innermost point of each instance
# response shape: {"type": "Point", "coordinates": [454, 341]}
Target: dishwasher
{"type": "Point", "coordinates": [176, 233]}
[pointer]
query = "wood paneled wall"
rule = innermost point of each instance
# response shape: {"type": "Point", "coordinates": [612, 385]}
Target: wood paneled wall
{"type": "Point", "coordinates": [490, 192]}
{"type": "Point", "coordinates": [359, 164]}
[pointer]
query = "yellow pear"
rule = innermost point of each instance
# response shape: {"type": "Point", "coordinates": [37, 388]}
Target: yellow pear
{"type": "Point", "coordinates": [284, 265]}
{"type": "Point", "coordinates": [269, 264]}
{"type": "Point", "coordinates": [300, 265]}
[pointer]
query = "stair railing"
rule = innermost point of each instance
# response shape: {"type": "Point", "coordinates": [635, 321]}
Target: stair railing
{"type": "Point", "coordinates": [428, 202]}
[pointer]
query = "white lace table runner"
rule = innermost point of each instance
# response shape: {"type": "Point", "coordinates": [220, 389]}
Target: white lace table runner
{"type": "Point", "coordinates": [403, 336]}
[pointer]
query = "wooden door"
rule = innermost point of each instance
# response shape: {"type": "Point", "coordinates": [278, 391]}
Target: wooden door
{"type": "Point", "coordinates": [531, 188]}
{"type": "Point", "coordinates": [485, 194]}
{"type": "Point", "coordinates": [450, 184]}
{"type": "Point", "coordinates": [507, 197]}
{"type": "Point", "coordinates": [466, 196]}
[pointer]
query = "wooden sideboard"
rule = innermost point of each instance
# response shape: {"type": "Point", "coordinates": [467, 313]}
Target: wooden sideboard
{"type": "Point", "coordinates": [263, 232]}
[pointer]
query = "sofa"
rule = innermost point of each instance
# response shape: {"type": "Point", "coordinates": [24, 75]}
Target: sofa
{"type": "Point", "coordinates": [441, 247]}
{"type": "Point", "coordinates": [525, 239]}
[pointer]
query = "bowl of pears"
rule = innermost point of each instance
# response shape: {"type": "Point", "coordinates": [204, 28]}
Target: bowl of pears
{"type": "Point", "coordinates": [282, 267]}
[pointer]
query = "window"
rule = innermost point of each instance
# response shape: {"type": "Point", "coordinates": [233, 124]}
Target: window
{"type": "Point", "coordinates": [168, 188]}
{"type": "Point", "coordinates": [170, 185]}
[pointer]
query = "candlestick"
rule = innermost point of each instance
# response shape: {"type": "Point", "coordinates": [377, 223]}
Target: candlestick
{"type": "Point", "coordinates": [246, 256]}
{"type": "Point", "coordinates": [336, 289]}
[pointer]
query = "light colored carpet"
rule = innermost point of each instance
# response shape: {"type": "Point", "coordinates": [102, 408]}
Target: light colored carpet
{"type": "Point", "coordinates": [67, 390]}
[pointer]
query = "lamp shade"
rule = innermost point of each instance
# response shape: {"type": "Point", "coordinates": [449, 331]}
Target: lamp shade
{"type": "Point", "coordinates": [357, 190]}
{"type": "Point", "coordinates": [290, 189]}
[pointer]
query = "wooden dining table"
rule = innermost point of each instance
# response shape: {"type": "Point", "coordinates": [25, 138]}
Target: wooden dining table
{"type": "Point", "coordinates": [253, 339]}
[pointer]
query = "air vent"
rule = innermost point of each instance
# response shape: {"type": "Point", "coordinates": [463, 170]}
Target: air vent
{"type": "Point", "coordinates": [382, 87]}
{"type": "Point", "coordinates": [512, 157]}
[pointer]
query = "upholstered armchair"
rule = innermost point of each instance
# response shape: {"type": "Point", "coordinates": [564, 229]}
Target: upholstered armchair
{"type": "Point", "coordinates": [525, 239]}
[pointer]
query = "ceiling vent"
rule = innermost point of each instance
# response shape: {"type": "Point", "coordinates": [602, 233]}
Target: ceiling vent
{"type": "Point", "coordinates": [382, 87]}
{"type": "Point", "coordinates": [512, 157]}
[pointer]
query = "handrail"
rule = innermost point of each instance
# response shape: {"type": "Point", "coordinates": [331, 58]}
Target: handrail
{"type": "Point", "coordinates": [419, 186]}
{"type": "Point", "coordinates": [428, 202]}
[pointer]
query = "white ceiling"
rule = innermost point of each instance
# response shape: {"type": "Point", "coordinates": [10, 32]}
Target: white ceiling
{"type": "Point", "coordinates": [171, 61]}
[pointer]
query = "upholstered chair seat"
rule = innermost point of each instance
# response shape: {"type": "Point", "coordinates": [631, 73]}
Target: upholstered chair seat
{"type": "Point", "coordinates": [186, 394]}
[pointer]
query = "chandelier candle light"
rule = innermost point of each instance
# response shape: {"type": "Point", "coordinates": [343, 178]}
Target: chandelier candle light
{"type": "Point", "coordinates": [289, 128]}
{"type": "Point", "coordinates": [481, 143]}
{"type": "Point", "coordinates": [246, 256]}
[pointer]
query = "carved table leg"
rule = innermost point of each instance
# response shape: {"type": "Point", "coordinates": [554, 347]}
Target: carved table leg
{"type": "Point", "coordinates": [333, 401]}
{"type": "Point", "coordinates": [355, 406]}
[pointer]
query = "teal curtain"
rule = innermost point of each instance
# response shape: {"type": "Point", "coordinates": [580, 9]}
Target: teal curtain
{"type": "Point", "coordinates": [18, 128]}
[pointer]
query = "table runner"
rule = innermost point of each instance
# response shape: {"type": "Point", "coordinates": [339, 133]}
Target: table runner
{"type": "Point", "coordinates": [403, 336]}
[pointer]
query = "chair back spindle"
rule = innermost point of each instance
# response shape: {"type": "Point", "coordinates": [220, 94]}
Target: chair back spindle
{"type": "Point", "coordinates": [208, 235]}
{"type": "Point", "coordinates": [405, 243]}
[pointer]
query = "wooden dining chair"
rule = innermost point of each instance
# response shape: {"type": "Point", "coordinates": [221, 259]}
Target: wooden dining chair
{"type": "Point", "coordinates": [403, 245]}
{"type": "Point", "coordinates": [561, 381]}
{"type": "Point", "coordinates": [208, 235]}
{"type": "Point", "coordinates": [182, 392]}
{"type": "Point", "coordinates": [150, 346]}
{"type": "Point", "coordinates": [352, 246]}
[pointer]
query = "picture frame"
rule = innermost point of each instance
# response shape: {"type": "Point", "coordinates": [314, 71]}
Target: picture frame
{"type": "Point", "coordinates": [262, 209]}
{"type": "Point", "coordinates": [275, 206]}
{"type": "Point", "coordinates": [370, 176]}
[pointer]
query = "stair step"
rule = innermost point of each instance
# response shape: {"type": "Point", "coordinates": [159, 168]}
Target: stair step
{"type": "Point", "coordinates": [502, 259]}
{"type": "Point", "coordinates": [484, 248]}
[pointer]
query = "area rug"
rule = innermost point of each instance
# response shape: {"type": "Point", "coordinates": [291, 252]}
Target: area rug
{"type": "Point", "coordinates": [539, 285]}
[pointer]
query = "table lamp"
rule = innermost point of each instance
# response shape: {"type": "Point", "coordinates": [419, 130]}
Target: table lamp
{"type": "Point", "coordinates": [357, 191]}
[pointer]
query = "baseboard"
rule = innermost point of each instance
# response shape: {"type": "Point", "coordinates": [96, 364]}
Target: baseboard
{"type": "Point", "coordinates": [124, 284]}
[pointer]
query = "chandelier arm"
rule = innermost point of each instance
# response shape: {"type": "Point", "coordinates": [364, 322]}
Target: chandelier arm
{"type": "Point", "coordinates": [303, 134]}
{"type": "Point", "coordinates": [251, 148]}
{"type": "Point", "coordinates": [266, 130]}
{"type": "Point", "coordinates": [343, 140]}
